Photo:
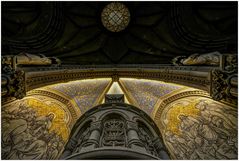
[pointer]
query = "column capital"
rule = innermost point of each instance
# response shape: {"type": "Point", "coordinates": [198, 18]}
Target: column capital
{"type": "Point", "coordinates": [95, 126]}
{"type": "Point", "coordinates": [132, 125]}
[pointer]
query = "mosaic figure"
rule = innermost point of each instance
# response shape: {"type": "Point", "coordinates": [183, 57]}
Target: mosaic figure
{"type": "Point", "coordinates": [26, 135]}
{"type": "Point", "coordinates": [208, 135]}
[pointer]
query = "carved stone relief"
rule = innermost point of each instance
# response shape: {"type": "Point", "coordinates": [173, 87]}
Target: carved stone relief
{"type": "Point", "coordinates": [113, 133]}
{"type": "Point", "coordinates": [114, 129]}
{"type": "Point", "coordinates": [223, 78]}
{"type": "Point", "coordinates": [13, 81]}
{"type": "Point", "coordinates": [212, 58]}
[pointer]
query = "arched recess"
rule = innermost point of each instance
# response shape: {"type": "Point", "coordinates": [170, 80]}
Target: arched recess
{"type": "Point", "coordinates": [194, 126]}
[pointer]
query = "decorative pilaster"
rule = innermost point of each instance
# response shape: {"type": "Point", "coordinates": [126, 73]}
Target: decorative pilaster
{"type": "Point", "coordinates": [13, 80]}
{"type": "Point", "coordinates": [13, 77]}
{"type": "Point", "coordinates": [223, 85]}
{"type": "Point", "coordinates": [224, 81]}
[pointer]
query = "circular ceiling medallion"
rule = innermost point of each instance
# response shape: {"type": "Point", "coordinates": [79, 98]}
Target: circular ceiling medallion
{"type": "Point", "coordinates": [115, 17]}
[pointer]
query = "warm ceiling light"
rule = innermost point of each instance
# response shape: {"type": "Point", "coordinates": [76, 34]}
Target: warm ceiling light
{"type": "Point", "coordinates": [115, 17]}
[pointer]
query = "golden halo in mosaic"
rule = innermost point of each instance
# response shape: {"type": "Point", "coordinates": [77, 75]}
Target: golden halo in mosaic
{"type": "Point", "coordinates": [115, 17]}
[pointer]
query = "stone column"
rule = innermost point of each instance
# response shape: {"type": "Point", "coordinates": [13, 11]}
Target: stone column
{"type": "Point", "coordinates": [93, 141]}
{"type": "Point", "coordinates": [133, 138]}
{"type": "Point", "coordinates": [69, 148]}
{"type": "Point", "coordinates": [160, 149]}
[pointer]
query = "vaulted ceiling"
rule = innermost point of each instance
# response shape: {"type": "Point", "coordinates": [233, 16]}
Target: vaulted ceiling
{"type": "Point", "coordinates": [157, 31]}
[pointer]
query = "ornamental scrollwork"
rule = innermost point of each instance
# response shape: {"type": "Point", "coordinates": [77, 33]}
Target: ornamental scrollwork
{"type": "Point", "coordinates": [229, 62]}
{"type": "Point", "coordinates": [13, 76]}
{"type": "Point", "coordinates": [224, 80]}
{"type": "Point", "coordinates": [221, 85]}
{"type": "Point", "coordinates": [113, 133]}
{"type": "Point", "coordinates": [13, 84]}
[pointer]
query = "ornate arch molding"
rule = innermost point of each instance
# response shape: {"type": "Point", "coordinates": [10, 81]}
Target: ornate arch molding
{"type": "Point", "coordinates": [72, 109]}
{"type": "Point", "coordinates": [173, 98]}
{"type": "Point", "coordinates": [200, 77]}
{"type": "Point", "coordinates": [189, 76]}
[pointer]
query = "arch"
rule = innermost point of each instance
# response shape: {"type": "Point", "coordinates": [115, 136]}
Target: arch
{"type": "Point", "coordinates": [172, 74]}
{"type": "Point", "coordinates": [146, 123]}
{"type": "Point", "coordinates": [116, 112]}
{"type": "Point", "coordinates": [80, 125]}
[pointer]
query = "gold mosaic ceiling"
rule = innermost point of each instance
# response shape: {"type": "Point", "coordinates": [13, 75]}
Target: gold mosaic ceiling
{"type": "Point", "coordinates": [142, 93]}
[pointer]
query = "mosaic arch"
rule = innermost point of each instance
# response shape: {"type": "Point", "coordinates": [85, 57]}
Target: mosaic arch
{"type": "Point", "coordinates": [146, 94]}
{"type": "Point", "coordinates": [83, 93]}
{"type": "Point", "coordinates": [196, 127]}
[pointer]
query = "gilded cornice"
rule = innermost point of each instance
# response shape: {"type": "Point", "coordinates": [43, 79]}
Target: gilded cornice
{"type": "Point", "coordinates": [188, 76]}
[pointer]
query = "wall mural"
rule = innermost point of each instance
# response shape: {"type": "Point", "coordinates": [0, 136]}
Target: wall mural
{"type": "Point", "coordinates": [34, 128]}
{"type": "Point", "coordinates": [145, 93]}
{"type": "Point", "coordinates": [200, 128]}
{"type": "Point", "coordinates": [86, 93]}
